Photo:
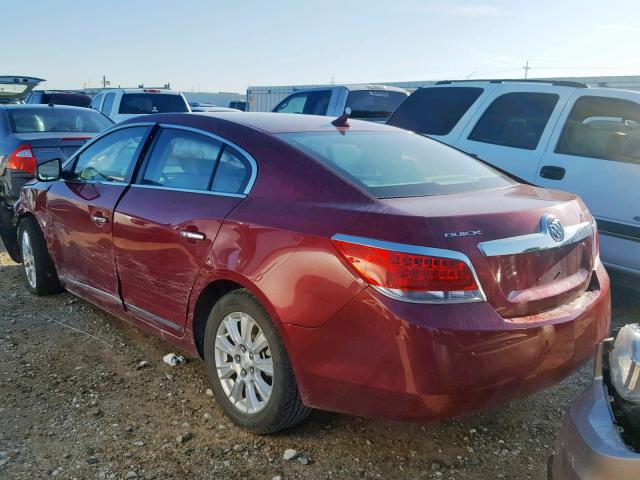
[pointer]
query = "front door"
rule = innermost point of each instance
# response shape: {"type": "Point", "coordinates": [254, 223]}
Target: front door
{"type": "Point", "coordinates": [167, 221]}
{"type": "Point", "coordinates": [81, 210]}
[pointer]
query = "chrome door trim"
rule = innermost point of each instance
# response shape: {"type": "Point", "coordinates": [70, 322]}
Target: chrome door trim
{"type": "Point", "coordinates": [91, 289]}
{"type": "Point", "coordinates": [414, 250]}
{"type": "Point", "coordinates": [189, 190]}
{"type": "Point", "coordinates": [247, 155]}
{"type": "Point", "coordinates": [535, 242]}
{"type": "Point", "coordinates": [152, 317]}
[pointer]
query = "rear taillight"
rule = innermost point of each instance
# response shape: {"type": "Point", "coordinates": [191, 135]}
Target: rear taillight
{"type": "Point", "coordinates": [411, 273]}
{"type": "Point", "coordinates": [22, 159]}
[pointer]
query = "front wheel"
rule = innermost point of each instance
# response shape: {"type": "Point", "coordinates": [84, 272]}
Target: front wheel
{"type": "Point", "coordinates": [39, 272]}
{"type": "Point", "coordinates": [248, 367]}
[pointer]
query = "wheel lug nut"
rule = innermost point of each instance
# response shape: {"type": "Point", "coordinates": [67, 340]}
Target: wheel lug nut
{"type": "Point", "coordinates": [236, 358]}
{"type": "Point", "coordinates": [243, 373]}
{"type": "Point", "coordinates": [251, 356]}
{"type": "Point", "coordinates": [251, 370]}
{"type": "Point", "coordinates": [243, 348]}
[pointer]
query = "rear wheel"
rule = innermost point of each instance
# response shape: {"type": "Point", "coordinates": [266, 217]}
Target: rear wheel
{"type": "Point", "coordinates": [39, 272]}
{"type": "Point", "coordinates": [248, 367]}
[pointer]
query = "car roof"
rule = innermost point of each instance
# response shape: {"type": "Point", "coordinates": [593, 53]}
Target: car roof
{"type": "Point", "coordinates": [291, 122]}
{"type": "Point", "coordinates": [27, 106]}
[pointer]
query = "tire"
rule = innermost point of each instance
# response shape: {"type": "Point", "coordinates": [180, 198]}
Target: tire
{"type": "Point", "coordinates": [40, 274]}
{"type": "Point", "coordinates": [244, 364]}
{"type": "Point", "coordinates": [8, 233]}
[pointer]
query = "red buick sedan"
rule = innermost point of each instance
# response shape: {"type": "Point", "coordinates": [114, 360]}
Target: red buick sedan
{"type": "Point", "coordinates": [349, 267]}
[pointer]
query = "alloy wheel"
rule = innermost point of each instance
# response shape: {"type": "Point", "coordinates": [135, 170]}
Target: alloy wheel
{"type": "Point", "coordinates": [243, 362]}
{"type": "Point", "coordinates": [28, 260]}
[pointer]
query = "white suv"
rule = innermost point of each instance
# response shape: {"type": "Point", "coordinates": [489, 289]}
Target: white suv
{"type": "Point", "coordinates": [560, 135]}
{"type": "Point", "coordinates": [122, 103]}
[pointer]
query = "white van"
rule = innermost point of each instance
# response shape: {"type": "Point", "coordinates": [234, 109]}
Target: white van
{"type": "Point", "coordinates": [122, 103]}
{"type": "Point", "coordinates": [560, 135]}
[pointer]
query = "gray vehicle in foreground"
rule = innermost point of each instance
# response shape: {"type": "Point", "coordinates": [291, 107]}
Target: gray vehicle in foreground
{"type": "Point", "coordinates": [600, 437]}
{"type": "Point", "coordinates": [31, 135]}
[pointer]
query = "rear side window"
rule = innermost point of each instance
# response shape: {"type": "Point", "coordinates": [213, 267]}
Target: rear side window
{"type": "Point", "coordinates": [310, 103]}
{"type": "Point", "coordinates": [108, 103]}
{"type": "Point", "coordinates": [397, 164]}
{"type": "Point", "coordinates": [373, 104]}
{"type": "Point", "coordinates": [182, 159]}
{"type": "Point", "coordinates": [515, 120]}
{"type": "Point", "coordinates": [142, 103]}
{"type": "Point", "coordinates": [434, 111]}
{"type": "Point", "coordinates": [51, 119]}
{"type": "Point", "coordinates": [602, 127]}
{"type": "Point", "coordinates": [110, 158]}
{"type": "Point", "coordinates": [95, 103]}
{"type": "Point", "coordinates": [233, 172]}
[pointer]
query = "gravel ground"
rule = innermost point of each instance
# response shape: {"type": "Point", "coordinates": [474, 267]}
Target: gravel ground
{"type": "Point", "coordinates": [73, 404]}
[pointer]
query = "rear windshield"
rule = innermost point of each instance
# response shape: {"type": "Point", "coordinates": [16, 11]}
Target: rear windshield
{"type": "Point", "coordinates": [66, 99]}
{"type": "Point", "coordinates": [398, 164]}
{"type": "Point", "coordinates": [435, 110]}
{"type": "Point", "coordinates": [140, 103]}
{"type": "Point", "coordinates": [51, 119]}
{"type": "Point", "coordinates": [373, 104]}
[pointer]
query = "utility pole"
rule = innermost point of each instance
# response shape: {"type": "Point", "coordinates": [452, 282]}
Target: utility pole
{"type": "Point", "coordinates": [526, 69]}
{"type": "Point", "coordinates": [104, 81]}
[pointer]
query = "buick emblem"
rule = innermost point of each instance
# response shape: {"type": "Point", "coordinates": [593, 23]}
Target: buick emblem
{"type": "Point", "coordinates": [552, 226]}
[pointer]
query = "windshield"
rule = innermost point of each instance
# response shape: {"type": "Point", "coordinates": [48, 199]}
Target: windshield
{"type": "Point", "coordinates": [398, 164]}
{"type": "Point", "coordinates": [140, 103]}
{"type": "Point", "coordinates": [373, 104]}
{"type": "Point", "coordinates": [51, 119]}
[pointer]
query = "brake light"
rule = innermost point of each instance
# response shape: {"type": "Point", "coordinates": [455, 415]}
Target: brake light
{"type": "Point", "coordinates": [151, 90]}
{"type": "Point", "coordinates": [75, 139]}
{"type": "Point", "coordinates": [22, 159]}
{"type": "Point", "coordinates": [407, 274]}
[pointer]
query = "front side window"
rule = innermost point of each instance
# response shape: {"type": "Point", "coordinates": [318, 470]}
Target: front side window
{"type": "Point", "coordinates": [397, 164]}
{"type": "Point", "coordinates": [142, 103]}
{"type": "Point", "coordinates": [373, 104]}
{"type": "Point", "coordinates": [515, 120]}
{"type": "Point", "coordinates": [110, 158]}
{"type": "Point", "coordinates": [51, 119]}
{"type": "Point", "coordinates": [309, 103]}
{"type": "Point", "coordinates": [182, 159]}
{"type": "Point", "coordinates": [436, 110]}
{"type": "Point", "coordinates": [95, 103]}
{"type": "Point", "coordinates": [108, 103]}
{"type": "Point", "coordinates": [602, 127]}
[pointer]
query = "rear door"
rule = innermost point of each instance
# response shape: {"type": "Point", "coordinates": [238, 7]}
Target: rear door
{"type": "Point", "coordinates": [166, 223]}
{"type": "Point", "coordinates": [595, 153]}
{"type": "Point", "coordinates": [80, 212]}
{"type": "Point", "coordinates": [312, 102]}
{"type": "Point", "coordinates": [513, 128]}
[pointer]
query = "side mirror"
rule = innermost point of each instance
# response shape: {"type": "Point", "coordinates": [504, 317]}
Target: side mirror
{"type": "Point", "coordinates": [49, 171]}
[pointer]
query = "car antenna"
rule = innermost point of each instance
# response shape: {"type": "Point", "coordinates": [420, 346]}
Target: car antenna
{"type": "Point", "coordinates": [342, 120]}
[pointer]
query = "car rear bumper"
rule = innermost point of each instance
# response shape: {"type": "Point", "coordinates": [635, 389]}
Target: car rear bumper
{"type": "Point", "coordinates": [384, 358]}
{"type": "Point", "coordinates": [589, 446]}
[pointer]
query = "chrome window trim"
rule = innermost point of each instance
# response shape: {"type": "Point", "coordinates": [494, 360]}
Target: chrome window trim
{"type": "Point", "coordinates": [247, 155]}
{"type": "Point", "coordinates": [535, 242]}
{"type": "Point", "coordinates": [152, 317]}
{"type": "Point", "coordinates": [416, 250]}
{"type": "Point", "coordinates": [188, 190]}
{"type": "Point", "coordinates": [91, 289]}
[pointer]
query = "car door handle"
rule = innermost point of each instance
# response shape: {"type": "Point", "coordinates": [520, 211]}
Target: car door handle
{"type": "Point", "coordinates": [552, 173]}
{"type": "Point", "coordinates": [190, 235]}
{"type": "Point", "coordinates": [99, 219]}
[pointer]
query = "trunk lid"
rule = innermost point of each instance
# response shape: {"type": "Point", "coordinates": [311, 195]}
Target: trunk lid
{"type": "Point", "coordinates": [506, 233]}
{"type": "Point", "coordinates": [12, 89]}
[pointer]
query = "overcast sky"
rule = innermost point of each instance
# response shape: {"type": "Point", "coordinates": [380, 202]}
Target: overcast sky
{"type": "Point", "coordinates": [226, 46]}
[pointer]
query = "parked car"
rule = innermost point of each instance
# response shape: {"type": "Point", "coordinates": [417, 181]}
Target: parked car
{"type": "Point", "coordinates": [238, 105]}
{"type": "Point", "coordinates": [600, 437]}
{"type": "Point", "coordinates": [367, 102]}
{"type": "Point", "coordinates": [32, 134]}
{"type": "Point", "coordinates": [122, 103]}
{"type": "Point", "coordinates": [208, 107]}
{"type": "Point", "coordinates": [58, 97]}
{"type": "Point", "coordinates": [13, 89]}
{"type": "Point", "coordinates": [360, 269]}
{"type": "Point", "coordinates": [559, 135]}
